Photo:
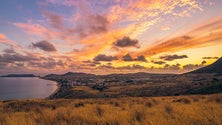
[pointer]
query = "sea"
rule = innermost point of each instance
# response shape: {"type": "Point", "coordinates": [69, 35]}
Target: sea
{"type": "Point", "coordinates": [13, 88]}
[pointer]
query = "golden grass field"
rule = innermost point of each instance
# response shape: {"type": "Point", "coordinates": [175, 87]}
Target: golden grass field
{"type": "Point", "coordinates": [174, 110]}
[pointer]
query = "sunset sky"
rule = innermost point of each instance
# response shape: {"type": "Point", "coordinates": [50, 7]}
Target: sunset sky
{"type": "Point", "coordinates": [109, 36]}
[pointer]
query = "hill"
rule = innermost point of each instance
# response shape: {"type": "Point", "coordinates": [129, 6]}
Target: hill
{"type": "Point", "coordinates": [216, 67]}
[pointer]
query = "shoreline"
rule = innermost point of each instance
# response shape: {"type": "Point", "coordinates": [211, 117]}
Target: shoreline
{"type": "Point", "coordinates": [59, 92]}
{"type": "Point", "coordinates": [55, 92]}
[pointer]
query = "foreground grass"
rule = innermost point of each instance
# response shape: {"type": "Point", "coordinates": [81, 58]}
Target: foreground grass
{"type": "Point", "coordinates": [178, 110]}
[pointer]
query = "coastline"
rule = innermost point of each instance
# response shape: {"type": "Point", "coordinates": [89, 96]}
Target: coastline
{"type": "Point", "coordinates": [55, 92]}
{"type": "Point", "coordinates": [60, 92]}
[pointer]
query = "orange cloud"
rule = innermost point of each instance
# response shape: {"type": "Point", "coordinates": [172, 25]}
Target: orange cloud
{"type": "Point", "coordinates": [3, 38]}
{"type": "Point", "coordinates": [140, 14]}
{"type": "Point", "coordinates": [204, 35]}
{"type": "Point", "coordinates": [143, 9]}
{"type": "Point", "coordinates": [97, 32]}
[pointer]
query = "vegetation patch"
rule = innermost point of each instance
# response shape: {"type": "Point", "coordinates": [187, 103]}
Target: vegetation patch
{"type": "Point", "coordinates": [183, 100]}
{"type": "Point", "coordinates": [215, 87]}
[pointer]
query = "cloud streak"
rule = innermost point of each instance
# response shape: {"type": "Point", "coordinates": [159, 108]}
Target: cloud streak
{"type": "Point", "coordinates": [210, 57]}
{"type": "Point", "coordinates": [158, 62]}
{"type": "Point", "coordinates": [204, 35]}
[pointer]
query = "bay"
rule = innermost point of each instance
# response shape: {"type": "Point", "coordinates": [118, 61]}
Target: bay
{"type": "Point", "coordinates": [25, 88]}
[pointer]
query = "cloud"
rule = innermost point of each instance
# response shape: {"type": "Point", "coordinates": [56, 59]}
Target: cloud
{"type": "Point", "coordinates": [15, 57]}
{"type": "Point", "coordinates": [87, 22]}
{"type": "Point", "coordinates": [203, 62]}
{"type": "Point", "coordinates": [44, 45]}
{"type": "Point", "coordinates": [173, 57]}
{"type": "Point", "coordinates": [141, 58]}
{"type": "Point", "coordinates": [158, 62]}
{"type": "Point", "coordinates": [28, 61]}
{"type": "Point", "coordinates": [3, 38]}
{"type": "Point", "coordinates": [98, 31]}
{"type": "Point", "coordinates": [11, 50]}
{"type": "Point", "coordinates": [126, 42]}
{"type": "Point", "coordinates": [55, 20]}
{"type": "Point", "coordinates": [37, 29]}
{"type": "Point", "coordinates": [210, 57]}
{"type": "Point", "coordinates": [128, 67]}
{"type": "Point", "coordinates": [5, 41]}
{"type": "Point", "coordinates": [128, 57]}
{"type": "Point", "coordinates": [48, 63]}
{"type": "Point", "coordinates": [91, 63]}
{"type": "Point", "coordinates": [171, 67]}
{"type": "Point", "coordinates": [103, 57]}
{"type": "Point", "coordinates": [90, 24]}
{"type": "Point", "coordinates": [191, 67]}
{"type": "Point", "coordinates": [95, 24]}
{"type": "Point", "coordinates": [207, 34]}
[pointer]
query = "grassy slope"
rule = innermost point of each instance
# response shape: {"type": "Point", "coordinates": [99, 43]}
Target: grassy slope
{"type": "Point", "coordinates": [177, 110]}
{"type": "Point", "coordinates": [215, 87]}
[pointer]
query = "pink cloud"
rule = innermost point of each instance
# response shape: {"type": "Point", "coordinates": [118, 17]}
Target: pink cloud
{"type": "Point", "coordinates": [36, 29]}
{"type": "Point", "coordinates": [55, 20]}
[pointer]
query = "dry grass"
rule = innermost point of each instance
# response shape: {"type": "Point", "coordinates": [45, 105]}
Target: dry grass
{"type": "Point", "coordinates": [177, 110]}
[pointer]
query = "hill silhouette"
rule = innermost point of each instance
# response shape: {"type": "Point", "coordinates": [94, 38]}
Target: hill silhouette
{"type": "Point", "coordinates": [216, 67]}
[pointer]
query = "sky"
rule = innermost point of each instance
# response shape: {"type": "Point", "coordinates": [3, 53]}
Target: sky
{"type": "Point", "coordinates": [109, 36]}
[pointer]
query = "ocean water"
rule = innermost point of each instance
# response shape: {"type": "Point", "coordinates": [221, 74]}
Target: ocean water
{"type": "Point", "coordinates": [25, 88]}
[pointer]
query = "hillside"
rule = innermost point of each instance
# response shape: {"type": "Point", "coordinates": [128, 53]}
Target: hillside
{"type": "Point", "coordinates": [216, 67]}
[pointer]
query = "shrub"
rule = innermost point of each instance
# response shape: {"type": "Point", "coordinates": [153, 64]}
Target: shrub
{"type": "Point", "coordinates": [155, 101]}
{"type": "Point", "coordinates": [139, 115]}
{"type": "Point", "coordinates": [149, 104]}
{"type": "Point", "coordinates": [116, 104]}
{"type": "Point", "coordinates": [79, 105]}
{"type": "Point", "coordinates": [168, 109]}
{"type": "Point", "coordinates": [183, 100]}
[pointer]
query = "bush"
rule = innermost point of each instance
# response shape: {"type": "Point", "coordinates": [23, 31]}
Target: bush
{"type": "Point", "coordinates": [168, 109]}
{"type": "Point", "coordinates": [149, 104]}
{"type": "Point", "coordinates": [116, 104]}
{"type": "Point", "coordinates": [139, 115]}
{"type": "Point", "coordinates": [79, 105]}
{"type": "Point", "coordinates": [183, 100]}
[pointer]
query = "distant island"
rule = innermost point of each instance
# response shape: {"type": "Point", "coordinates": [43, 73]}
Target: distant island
{"type": "Point", "coordinates": [19, 75]}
